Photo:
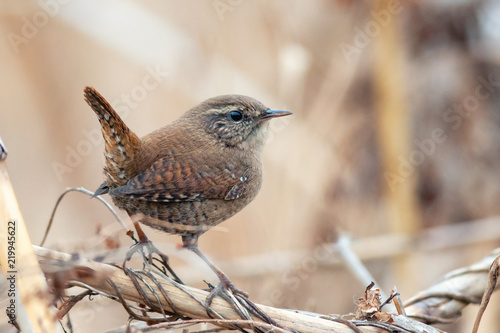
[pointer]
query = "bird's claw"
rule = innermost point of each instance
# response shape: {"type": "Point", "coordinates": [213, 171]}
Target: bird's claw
{"type": "Point", "coordinates": [145, 245]}
{"type": "Point", "coordinates": [139, 247]}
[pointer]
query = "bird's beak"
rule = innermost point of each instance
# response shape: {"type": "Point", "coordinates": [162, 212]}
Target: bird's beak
{"type": "Point", "coordinates": [275, 113]}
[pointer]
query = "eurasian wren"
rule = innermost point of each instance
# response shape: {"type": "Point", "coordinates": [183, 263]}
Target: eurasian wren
{"type": "Point", "coordinates": [190, 175]}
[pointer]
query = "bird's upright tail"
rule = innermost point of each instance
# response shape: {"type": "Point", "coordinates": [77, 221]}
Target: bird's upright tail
{"type": "Point", "coordinates": [121, 143]}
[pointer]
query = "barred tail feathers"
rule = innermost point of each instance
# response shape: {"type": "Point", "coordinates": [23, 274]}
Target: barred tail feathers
{"type": "Point", "coordinates": [120, 142]}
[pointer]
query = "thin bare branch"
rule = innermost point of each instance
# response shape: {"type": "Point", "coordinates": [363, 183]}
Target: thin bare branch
{"type": "Point", "coordinates": [490, 288]}
{"type": "Point", "coordinates": [84, 191]}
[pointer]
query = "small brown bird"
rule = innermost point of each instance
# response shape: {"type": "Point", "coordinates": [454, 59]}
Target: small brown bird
{"type": "Point", "coordinates": [190, 175]}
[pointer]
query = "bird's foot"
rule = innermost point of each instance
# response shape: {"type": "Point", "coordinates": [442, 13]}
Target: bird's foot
{"type": "Point", "coordinates": [224, 285]}
{"type": "Point", "coordinates": [235, 290]}
{"type": "Point", "coordinates": [143, 246]}
{"type": "Point", "coordinates": [239, 305]}
{"type": "Point", "coordinates": [146, 248]}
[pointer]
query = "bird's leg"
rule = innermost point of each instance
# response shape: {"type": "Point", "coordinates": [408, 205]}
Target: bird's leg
{"type": "Point", "coordinates": [145, 243]}
{"type": "Point", "coordinates": [223, 278]}
{"type": "Point", "coordinates": [191, 244]}
{"type": "Point", "coordinates": [140, 244]}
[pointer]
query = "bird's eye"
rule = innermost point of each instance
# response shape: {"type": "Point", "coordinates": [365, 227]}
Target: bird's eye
{"type": "Point", "coordinates": [236, 116]}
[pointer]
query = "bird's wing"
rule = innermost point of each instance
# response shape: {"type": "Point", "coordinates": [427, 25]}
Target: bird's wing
{"type": "Point", "coordinates": [168, 180]}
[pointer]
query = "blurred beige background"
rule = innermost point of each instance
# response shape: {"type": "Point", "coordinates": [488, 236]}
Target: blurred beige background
{"type": "Point", "coordinates": [395, 130]}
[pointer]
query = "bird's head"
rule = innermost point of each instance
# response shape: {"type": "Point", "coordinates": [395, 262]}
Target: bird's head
{"type": "Point", "coordinates": [234, 120]}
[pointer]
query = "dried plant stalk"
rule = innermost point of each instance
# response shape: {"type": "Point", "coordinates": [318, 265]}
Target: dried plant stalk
{"type": "Point", "coordinates": [29, 299]}
{"type": "Point", "coordinates": [444, 301]}
{"type": "Point", "coordinates": [97, 275]}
